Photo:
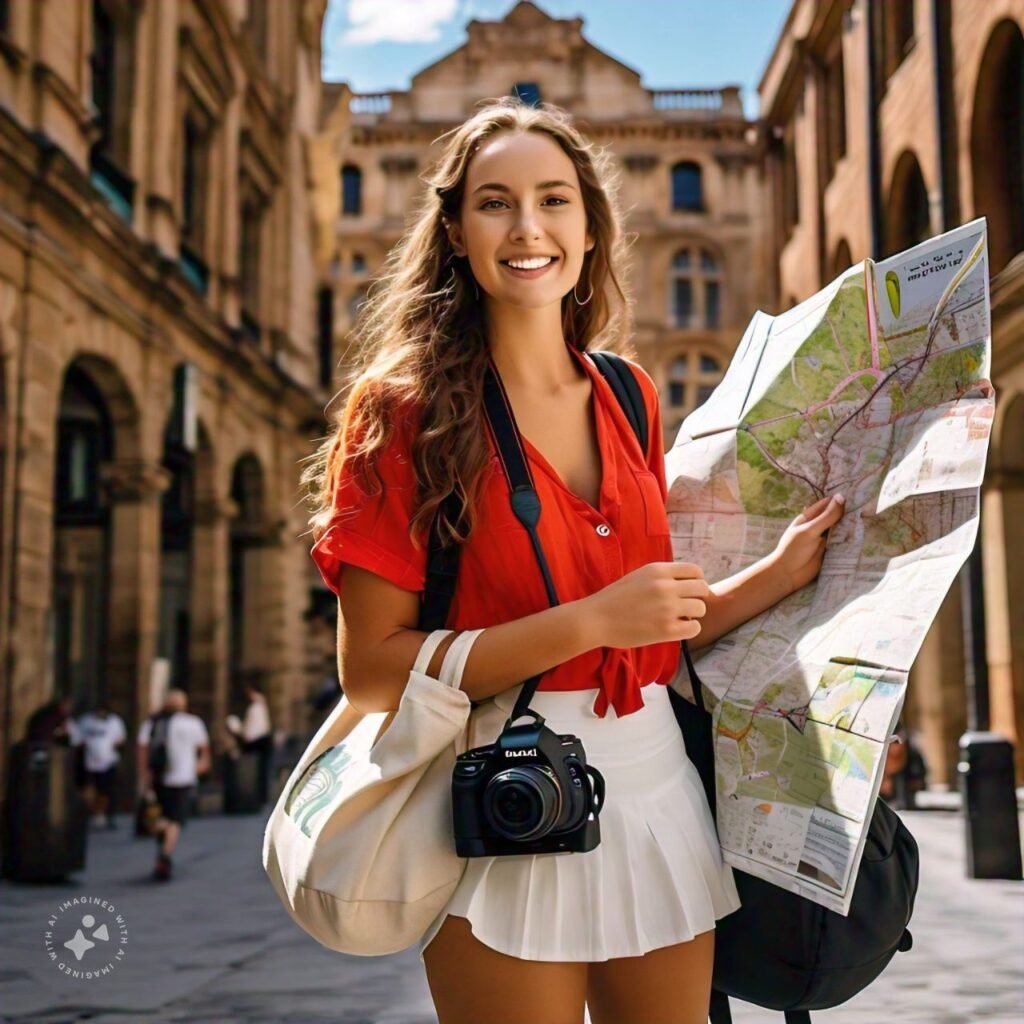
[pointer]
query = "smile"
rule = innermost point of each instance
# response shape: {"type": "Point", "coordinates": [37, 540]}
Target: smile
{"type": "Point", "coordinates": [532, 271]}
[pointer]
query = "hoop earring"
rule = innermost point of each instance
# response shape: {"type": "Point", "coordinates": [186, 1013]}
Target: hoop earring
{"type": "Point", "coordinates": [587, 299]}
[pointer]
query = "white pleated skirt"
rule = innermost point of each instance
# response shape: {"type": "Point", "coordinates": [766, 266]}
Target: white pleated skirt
{"type": "Point", "coordinates": [656, 878]}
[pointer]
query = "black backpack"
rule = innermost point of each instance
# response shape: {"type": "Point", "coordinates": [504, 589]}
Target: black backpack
{"type": "Point", "coordinates": [156, 759]}
{"type": "Point", "coordinates": [779, 950]}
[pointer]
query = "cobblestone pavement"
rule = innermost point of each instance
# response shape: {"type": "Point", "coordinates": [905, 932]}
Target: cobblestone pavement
{"type": "Point", "coordinates": [214, 945]}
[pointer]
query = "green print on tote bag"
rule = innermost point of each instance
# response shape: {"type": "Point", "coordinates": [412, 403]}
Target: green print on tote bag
{"type": "Point", "coordinates": [317, 786]}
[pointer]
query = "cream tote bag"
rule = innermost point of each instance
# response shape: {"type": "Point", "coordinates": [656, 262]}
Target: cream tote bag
{"type": "Point", "coordinates": [359, 846]}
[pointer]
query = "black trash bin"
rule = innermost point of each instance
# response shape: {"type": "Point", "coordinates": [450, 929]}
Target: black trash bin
{"type": "Point", "coordinates": [46, 819]}
{"type": "Point", "coordinates": [990, 806]}
{"type": "Point", "coordinates": [242, 789]}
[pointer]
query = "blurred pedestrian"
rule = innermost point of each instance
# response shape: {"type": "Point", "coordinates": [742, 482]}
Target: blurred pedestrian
{"type": "Point", "coordinates": [52, 723]}
{"type": "Point", "coordinates": [173, 751]}
{"type": "Point", "coordinates": [257, 735]}
{"type": "Point", "coordinates": [103, 736]}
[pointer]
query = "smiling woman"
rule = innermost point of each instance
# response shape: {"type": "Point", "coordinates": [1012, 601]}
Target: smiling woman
{"type": "Point", "coordinates": [511, 271]}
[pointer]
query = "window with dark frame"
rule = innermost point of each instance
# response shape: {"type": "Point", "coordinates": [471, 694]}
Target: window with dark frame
{"type": "Point", "coordinates": [692, 378]}
{"type": "Point", "coordinates": [528, 92]}
{"type": "Point", "coordinates": [194, 159]}
{"type": "Point", "coordinates": [687, 188]}
{"type": "Point", "coordinates": [110, 64]}
{"type": "Point", "coordinates": [250, 242]}
{"type": "Point", "coordinates": [351, 190]}
{"type": "Point", "coordinates": [834, 111]}
{"type": "Point", "coordinates": [696, 289]}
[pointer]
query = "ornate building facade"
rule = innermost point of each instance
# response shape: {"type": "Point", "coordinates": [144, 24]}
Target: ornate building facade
{"type": "Point", "coordinates": [159, 368]}
{"type": "Point", "coordinates": [884, 124]}
{"type": "Point", "coordinates": [690, 185]}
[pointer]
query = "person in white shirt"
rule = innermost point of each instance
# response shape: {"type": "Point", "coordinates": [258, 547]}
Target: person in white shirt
{"type": "Point", "coordinates": [256, 734]}
{"type": "Point", "coordinates": [187, 745]}
{"type": "Point", "coordinates": [103, 734]}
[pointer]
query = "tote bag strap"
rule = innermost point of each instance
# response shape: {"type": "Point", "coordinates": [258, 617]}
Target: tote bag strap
{"type": "Point", "coordinates": [455, 657]}
{"type": "Point", "coordinates": [427, 649]}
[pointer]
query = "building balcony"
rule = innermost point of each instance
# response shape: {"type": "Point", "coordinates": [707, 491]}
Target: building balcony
{"type": "Point", "coordinates": [698, 104]}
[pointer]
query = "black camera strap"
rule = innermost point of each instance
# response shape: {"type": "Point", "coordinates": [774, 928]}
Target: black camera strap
{"type": "Point", "coordinates": [443, 559]}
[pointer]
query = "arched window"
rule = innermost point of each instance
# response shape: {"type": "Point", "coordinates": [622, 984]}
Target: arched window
{"type": "Point", "coordinates": [843, 258]}
{"type": "Point", "coordinates": [692, 376]}
{"type": "Point", "coordinates": [687, 192]}
{"type": "Point", "coordinates": [907, 217]}
{"type": "Point", "coordinates": [351, 190]}
{"type": "Point", "coordinates": [696, 282]}
{"type": "Point", "coordinates": [528, 92]}
{"type": "Point", "coordinates": [997, 143]}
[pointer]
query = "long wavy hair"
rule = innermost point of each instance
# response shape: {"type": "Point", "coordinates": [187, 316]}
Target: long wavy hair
{"type": "Point", "coordinates": [420, 338]}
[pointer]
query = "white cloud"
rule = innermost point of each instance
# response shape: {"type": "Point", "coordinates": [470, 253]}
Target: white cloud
{"type": "Point", "coordinates": [397, 21]}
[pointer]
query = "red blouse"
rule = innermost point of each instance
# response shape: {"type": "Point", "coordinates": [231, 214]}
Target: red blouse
{"type": "Point", "coordinates": [499, 578]}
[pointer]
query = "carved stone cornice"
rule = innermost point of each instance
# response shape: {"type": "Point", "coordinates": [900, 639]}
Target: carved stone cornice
{"type": "Point", "coordinates": [211, 510]}
{"type": "Point", "coordinates": [640, 163]}
{"type": "Point", "coordinates": [394, 163]}
{"type": "Point", "coordinates": [134, 480]}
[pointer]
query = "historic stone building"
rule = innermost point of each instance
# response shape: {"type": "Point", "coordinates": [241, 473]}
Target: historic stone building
{"type": "Point", "coordinates": [160, 375]}
{"type": "Point", "coordinates": [883, 124]}
{"type": "Point", "coordinates": [689, 184]}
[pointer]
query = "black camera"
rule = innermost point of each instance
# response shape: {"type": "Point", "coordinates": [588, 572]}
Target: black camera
{"type": "Point", "coordinates": [531, 791]}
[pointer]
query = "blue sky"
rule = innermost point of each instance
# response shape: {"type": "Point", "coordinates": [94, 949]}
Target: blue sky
{"type": "Point", "coordinates": [376, 45]}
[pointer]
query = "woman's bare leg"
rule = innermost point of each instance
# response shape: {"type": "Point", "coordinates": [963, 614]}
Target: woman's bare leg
{"type": "Point", "coordinates": [471, 983]}
{"type": "Point", "coordinates": [671, 985]}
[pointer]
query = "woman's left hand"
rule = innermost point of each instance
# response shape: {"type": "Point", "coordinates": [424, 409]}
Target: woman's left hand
{"type": "Point", "coordinates": [801, 548]}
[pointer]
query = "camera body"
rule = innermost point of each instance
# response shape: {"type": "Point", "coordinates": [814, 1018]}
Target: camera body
{"type": "Point", "coordinates": [529, 792]}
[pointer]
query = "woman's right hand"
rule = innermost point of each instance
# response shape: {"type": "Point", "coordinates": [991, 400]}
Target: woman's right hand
{"type": "Point", "coordinates": [657, 603]}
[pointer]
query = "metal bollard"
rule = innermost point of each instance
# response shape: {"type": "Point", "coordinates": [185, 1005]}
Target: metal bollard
{"type": "Point", "coordinates": [992, 829]}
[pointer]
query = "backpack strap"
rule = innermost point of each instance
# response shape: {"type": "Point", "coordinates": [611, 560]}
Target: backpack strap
{"type": "Point", "coordinates": [719, 1009]}
{"type": "Point", "coordinates": [623, 383]}
{"type": "Point", "coordinates": [720, 1013]}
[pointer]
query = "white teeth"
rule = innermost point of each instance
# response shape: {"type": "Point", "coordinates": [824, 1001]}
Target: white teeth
{"type": "Point", "coordinates": [541, 261]}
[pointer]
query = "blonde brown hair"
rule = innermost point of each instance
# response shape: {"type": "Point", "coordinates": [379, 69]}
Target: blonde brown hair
{"type": "Point", "coordinates": [421, 338]}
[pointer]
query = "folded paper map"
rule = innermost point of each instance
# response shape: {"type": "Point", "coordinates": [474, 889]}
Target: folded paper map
{"type": "Point", "coordinates": [876, 388]}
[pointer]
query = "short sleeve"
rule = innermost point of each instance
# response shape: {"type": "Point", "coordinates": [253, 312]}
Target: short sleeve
{"type": "Point", "coordinates": [372, 530]}
{"type": "Point", "coordinates": [144, 731]}
{"type": "Point", "coordinates": [202, 737]}
{"type": "Point", "coordinates": [118, 730]}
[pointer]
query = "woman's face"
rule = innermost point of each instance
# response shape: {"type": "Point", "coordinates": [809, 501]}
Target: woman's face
{"type": "Point", "coordinates": [522, 200]}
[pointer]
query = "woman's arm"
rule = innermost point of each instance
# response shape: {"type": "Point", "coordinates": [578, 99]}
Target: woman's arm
{"type": "Point", "coordinates": [378, 643]}
{"type": "Point", "coordinates": [795, 561]}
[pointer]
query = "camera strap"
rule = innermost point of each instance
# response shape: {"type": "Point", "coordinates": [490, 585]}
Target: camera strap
{"type": "Point", "coordinates": [443, 559]}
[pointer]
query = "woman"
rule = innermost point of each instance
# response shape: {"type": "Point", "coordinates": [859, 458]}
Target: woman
{"type": "Point", "coordinates": [516, 257]}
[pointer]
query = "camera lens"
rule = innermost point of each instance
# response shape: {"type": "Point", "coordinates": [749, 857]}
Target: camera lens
{"type": "Point", "coordinates": [523, 803]}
